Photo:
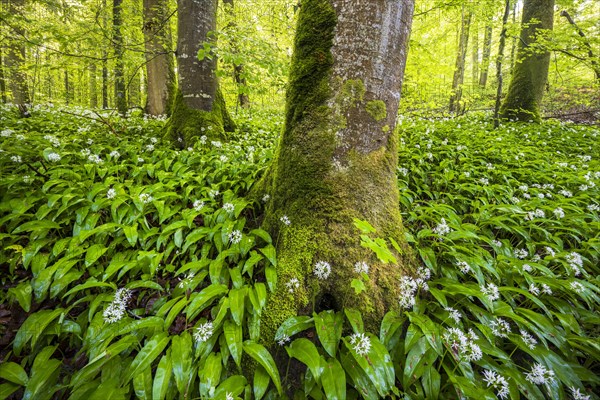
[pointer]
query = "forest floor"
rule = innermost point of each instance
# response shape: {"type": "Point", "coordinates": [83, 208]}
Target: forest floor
{"type": "Point", "coordinates": [134, 268]}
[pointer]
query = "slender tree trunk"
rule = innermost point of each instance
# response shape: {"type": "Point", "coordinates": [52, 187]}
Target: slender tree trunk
{"type": "Point", "coordinates": [586, 43]}
{"type": "Point", "coordinates": [15, 58]}
{"type": "Point", "coordinates": [499, 63]}
{"type": "Point", "coordinates": [530, 74]}
{"type": "Point", "coordinates": [159, 57]}
{"type": "Point", "coordinates": [513, 46]}
{"type": "Point", "coordinates": [93, 86]}
{"type": "Point", "coordinates": [105, 80]}
{"type": "Point", "coordinates": [238, 69]}
{"type": "Point", "coordinates": [487, 50]}
{"type": "Point", "coordinates": [120, 90]}
{"type": "Point", "coordinates": [459, 69]}
{"type": "Point", "coordinates": [337, 157]}
{"type": "Point", "coordinates": [2, 79]}
{"type": "Point", "coordinates": [475, 56]}
{"type": "Point", "coordinates": [199, 108]}
{"type": "Point", "coordinates": [67, 87]}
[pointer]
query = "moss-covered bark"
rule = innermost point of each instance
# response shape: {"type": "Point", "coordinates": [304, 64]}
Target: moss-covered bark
{"type": "Point", "coordinates": [336, 161]}
{"type": "Point", "coordinates": [187, 124]}
{"type": "Point", "coordinates": [530, 72]}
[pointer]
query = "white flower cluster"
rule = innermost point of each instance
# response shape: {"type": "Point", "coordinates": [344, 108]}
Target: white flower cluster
{"type": "Point", "coordinates": [203, 332]}
{"type": "Point", "coordinates": [498, 382]}
{"type": "Point", "coordinates": [403, 171]}
{"type": "Point", "coordinates": [500, 327]}
{"type": "Point", "coordinates": [463, 345]}
{"type": "Point", "coordinates": [117, 309]}
{"type": "Point", "coordinates": [593, 207]}
{"type": "Point", "coordinates": [454, 314]}
{"type": "Point", "coordinates": [540, 375]}
{"type": "Point", "coordinates": [266, 198]}
{"type": "Point", "coordinates": [361, 343]}
{"type": "Point", "coordinates": [529, 340]}
{"type": "Point", "coordinates": [464, 267]}
{"type": "Point", "coordinates": [54, 157]}
{"type": "Point", "coordinates": [285, 220]}
{"type": "Point", "coordinates": [577, 395]}
{"type": "Point", "coordinates": [559, 213]}
{"type": "Point", "coordinates": [282, 340]}
{"type": "Point", "coordinates": [409, 287]}
{"type": "Point", "coordinates": [7, 133]}
{"type": "Point", "coordinates": [228, 207]}
{"type": "Point", "coordinates": [115, 154]}
{"type": "Point", "coordinates": [16, 159]}
{"type": "Point", "coordinates": [575, 262]}
{"type": "Point", "coordinates": [145, 198]}
{"type": "Point", "coordinates": [577, 287]}
{"type": "Point", "coordinates": [491, 291]}
{"type": "Point", "coordinates": [149, 147]}
{"type": "Point", "coordinates": [235, 236]}
{"type": "Point", "coordinates": [94, 158]}
{"type": "Point", "coordinates": [111, 193]}
{"type": "Point", "coordinates": [521, 253]}
{"type": "Point", "coordinates": [550, 251]}
{"type": "Point", "coordinates": [292, 285]}
{"type": "Point", "coordinates": [566, 193]}
{"type": "Point", "coordinates": [53, 140]}
{"type": "Point", "coordinates": [361, 267]}
{"type": "Point", "coordinates": [531, 215]}
{"type": "Point", "coordinates": [198, 204]}
{"type": "Point", "coordinates": [442, 228]}
{"type": "Point", "coordinates": [322, 270]}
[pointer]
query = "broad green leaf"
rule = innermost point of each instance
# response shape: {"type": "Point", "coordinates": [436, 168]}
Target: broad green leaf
{"type": "Point", "coordinates": [263, 357]}
{"type": "Point", "coordinates": [261, 382]}
{"type": "Point", "coordinates": [233, 337]}
{"type": "Point", "coordinates": [94, 253]}
{"type": "Point", "coordinates": [333, 379]}
{"type": "Point", "coordinates": [328, 325]}
{"type": "Point", "coordinates": [355, 320]}
{"type": "Point", "coordinates": [204, 298]}
{"type": "Point", "coordinates": [147, 355]}
{"type": "Point", "coordinates": [33, 327]}
{"type": "Point", "coordinates": [237, 299]}
{"type": "Point", "coordinates": [293, 325]}
{"type": "Point", "coordinates": [14, 373]}
{"type": "Point", "coordinates": [162, 377]}
{"type": "Point", "coordinates": [305, 351]}
{"type": "Point", "coordinates": [181, 359]}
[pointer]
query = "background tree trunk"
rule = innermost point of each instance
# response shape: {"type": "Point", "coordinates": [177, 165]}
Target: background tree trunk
{"type": "Point", "coordinates": [93, 86]}
{"type": "Point", "coordinates": [338, 155]}
{"type": "Point", "coordinates": [2, 79]}
{"type": "Point", "coordinates": [199, 107]}
{"type": "Point", "coordinates": [120, 90]}
{"type": "Point", "coordinates": [475, 56]}
{"type": "Point", "coordinates": [15, 60]}
{"type": "Point", "coordinates": [238, 69]}
{"type": "Point", "coordinates": [459, 69]}
{"type": "Point", "coordinates": [159, 57]}
{"type": "Point", "coordinates": [499, 60]}
{"type": "Point", "coordinates": [487, 50]}
{"type": "Point", "coordinates": [530, 73]}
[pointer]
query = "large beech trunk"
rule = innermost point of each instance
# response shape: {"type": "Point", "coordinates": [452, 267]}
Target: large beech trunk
{"type": "Point", "coordinates": [120, 89]}
{"type": "Point", "coordinates": [530, 72]}
{"type": "Point", "coordinates": [199, 108]}
{"type": "Point", "coordinates": [159, 58]}
{"type": "Point", "coordinates": [337, 157]}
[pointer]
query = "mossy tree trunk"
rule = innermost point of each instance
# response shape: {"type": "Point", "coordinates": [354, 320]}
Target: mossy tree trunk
{"type": "Point", "coordinates": [198, 108]}
{"type": "Point", "coordinates": [159, 57]}
{"type": "Point", "coordinates": [530, 72]}
{"type": "Point", "coordinates": [15, 59]}
{"type": "Point", "coordinates": [337, 157]}
{"type": "Point", "coordinates": [459, 68]}
{"type": "Point", "coordinates": [120, 90]}
{"type": "Point", "coordinates": [499, 60]}
{"type": "Point", "coordinates": [2, 79]}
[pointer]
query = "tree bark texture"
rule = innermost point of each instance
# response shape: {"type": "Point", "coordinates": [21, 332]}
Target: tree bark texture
{"type": "Point", "coordinates": [459, 68]}
{"type": "Point", "coordinates": [338, 155]}
{"type": "Point", "coordinates": [93, 85]}
{"type": "Point", "coordinates": [475, 56]}
{"type": "Point", "coordinates": [499, 60]}
{"type": "Point", "coordinates": [159, 58]}
{"type": "Point", "coordinates": [530, 73]}
{"type": "Point", "coordinates": [487, 51]}
{"type": "Point", "coordinates": [15, 60]}
{"type": "Point", "coordinates": [2, 79]}
{"type": "Point", "coordinates": [199, 108]}
{"type": "Point", "coordinates": [120, 90]}
{"type": "Point", "coordinates": [238, 69]}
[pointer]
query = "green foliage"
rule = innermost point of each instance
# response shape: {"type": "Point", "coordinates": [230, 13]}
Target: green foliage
{"type": "Point", "coordinates": [470, 196]}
